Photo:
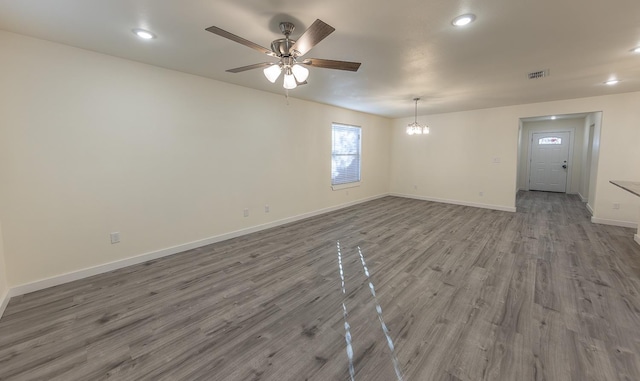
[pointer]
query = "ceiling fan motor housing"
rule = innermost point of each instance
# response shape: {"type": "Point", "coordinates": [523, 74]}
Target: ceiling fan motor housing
{"type": "Point", "coordinates": [282, 46]}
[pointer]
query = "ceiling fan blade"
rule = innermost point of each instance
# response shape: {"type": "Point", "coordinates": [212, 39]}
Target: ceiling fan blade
{"type": "Point", "coordinates": [249, 67]}
{"type": "Point", "coordinates": [233, 37]}
{"type": "Point", "coordinates": [314, 34]}
{"type": "Point", "coordinates": [332, 64]}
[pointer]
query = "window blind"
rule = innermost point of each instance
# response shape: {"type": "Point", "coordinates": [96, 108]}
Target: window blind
{"type": "Point", "coordinates": [345, 154]}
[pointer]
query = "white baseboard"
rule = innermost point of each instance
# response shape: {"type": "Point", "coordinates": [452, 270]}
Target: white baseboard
{"type": "Point", "coordinates": [635, 238]}
{"type": "Point", "coordinates": [582, 198]}
{"type": "Point", "coordinates": [589, 208]}
{"type": "Point", "coordinates": [106, 267]}
{"type": "Point", "coordinates": [4, 302]}
{"type": "Point", "coordinates": [604, 221]}
{"type": "Point", "coordinates": [457, 202]}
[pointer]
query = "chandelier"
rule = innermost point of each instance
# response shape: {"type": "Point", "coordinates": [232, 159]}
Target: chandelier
{"type": "Point", "coordinates": [415, 128]}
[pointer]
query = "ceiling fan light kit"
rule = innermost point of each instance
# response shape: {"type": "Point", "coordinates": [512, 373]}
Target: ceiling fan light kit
{"type": "Point", "coordinates": [300, 72]}
{"type": "Point", "coordinates": [272, 72]}
{"type": "Point", "coordinates": [289, 80]}
{"type": "Point", "coordinates": [288, 51]}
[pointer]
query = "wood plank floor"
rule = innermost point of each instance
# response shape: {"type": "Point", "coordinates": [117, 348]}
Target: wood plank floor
{"type": "Point", "coordinates": [462, 293]}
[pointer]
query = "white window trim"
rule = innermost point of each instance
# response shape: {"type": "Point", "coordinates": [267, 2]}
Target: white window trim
{"type": "Point", "coordinates": [347, 185]}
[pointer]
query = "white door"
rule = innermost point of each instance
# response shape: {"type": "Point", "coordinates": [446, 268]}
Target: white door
{"type": "Point", "coordinates": [549, 161]}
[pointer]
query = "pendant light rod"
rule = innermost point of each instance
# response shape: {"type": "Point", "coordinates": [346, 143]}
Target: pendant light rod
{"type": "Point", "coordinates": [416, 113]}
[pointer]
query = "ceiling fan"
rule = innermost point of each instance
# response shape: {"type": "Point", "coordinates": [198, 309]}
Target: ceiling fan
{"type": "Point", "coordinates": [289, 52]}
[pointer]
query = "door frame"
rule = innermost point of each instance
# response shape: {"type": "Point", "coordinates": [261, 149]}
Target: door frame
{"type": "Point", "coordinates": [571, 131]}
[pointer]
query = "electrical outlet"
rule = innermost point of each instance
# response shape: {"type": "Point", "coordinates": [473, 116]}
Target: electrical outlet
{"type": "Point", "coordinates": [481, 193]}
{"type": "Point", "coordinates": [616, 205]}
{"type": "Point", "coordinates": [266, 208]}
{"type": "Point", "coordinates": [246, 212]}
{"type": "Point", "coordinates": [115, 237]}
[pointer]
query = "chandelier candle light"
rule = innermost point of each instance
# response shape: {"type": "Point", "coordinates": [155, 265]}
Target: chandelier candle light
{"type": "Point", "coordinates": [415, 128]}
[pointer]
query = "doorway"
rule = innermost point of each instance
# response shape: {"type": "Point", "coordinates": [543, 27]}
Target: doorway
{"type": "Point", "coordinates": [583, 154]}
{"type": "Point", "coordinates": [549, 160]}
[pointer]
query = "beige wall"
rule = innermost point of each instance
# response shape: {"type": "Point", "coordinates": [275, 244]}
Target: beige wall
{"type": "Point", "coordinates": [595, 119]}
{"type": "Point", "coordinates": [455, 161]}
{"type": "Point", "coordinates": [587, 146]}
{"type": "Point", "coordinates": [4, 285]}
{"type": "Point", "coordinates": [575, 125]}
{"type": "Point", "coordinates": [91, 144]}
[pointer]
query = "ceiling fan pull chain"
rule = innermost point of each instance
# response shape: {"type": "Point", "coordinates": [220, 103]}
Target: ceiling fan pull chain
{"type": "Point", "coordinates": [286, 95]}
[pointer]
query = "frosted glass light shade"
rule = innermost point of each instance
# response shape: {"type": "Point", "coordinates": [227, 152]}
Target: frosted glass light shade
{"type": "Point", "coordinates": [300, 72]}
{"type": "Point", "coordinates": [272, 73]}
{"type": "Point", "coordinates": [289, 81]}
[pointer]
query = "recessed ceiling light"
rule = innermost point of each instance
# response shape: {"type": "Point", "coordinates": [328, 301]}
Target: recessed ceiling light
{"type": "Point", "coordinates": [464, 19]}
{"type": "Point", "coordinates": [612, 82]}
{"type": "Point", "coordinates": [554, 117]}
{"type": "Point", "coordinates": [635, 50]}
{"type": "Point", "coordinates": [144, 34]}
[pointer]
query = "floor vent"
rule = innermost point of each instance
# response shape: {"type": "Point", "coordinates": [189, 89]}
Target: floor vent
{"type": "Point", "coordinates": [538, 74]}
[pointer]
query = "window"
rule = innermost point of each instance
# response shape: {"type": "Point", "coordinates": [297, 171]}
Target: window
{"type": "Point", "coordinates": [550, 141]}
{"type": "Point", "coordinates": [345, 154]}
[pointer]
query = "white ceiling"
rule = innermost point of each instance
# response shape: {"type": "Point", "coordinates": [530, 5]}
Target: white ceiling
{"type": "Point", "coordinates": [408, 48]}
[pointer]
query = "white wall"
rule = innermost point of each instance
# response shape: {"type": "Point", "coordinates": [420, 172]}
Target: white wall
{"type": "Point", "coordinates": [455, 161]}
{"type": "Point", "coordinates": [92, 144]}
{"type": "Point", "coordinates": [575, 125]}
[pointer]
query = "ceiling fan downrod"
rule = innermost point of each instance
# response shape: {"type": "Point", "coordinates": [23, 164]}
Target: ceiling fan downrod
{"type": "Point", "coordinates": [282, 46]}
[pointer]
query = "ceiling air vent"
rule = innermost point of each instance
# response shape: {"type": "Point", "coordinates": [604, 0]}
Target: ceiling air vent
{"type": "Point", "coordinates": [538, 74]}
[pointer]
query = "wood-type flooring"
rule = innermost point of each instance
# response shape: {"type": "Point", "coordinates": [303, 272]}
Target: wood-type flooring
{"type": "Point", "coordinates": [462, 294]}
